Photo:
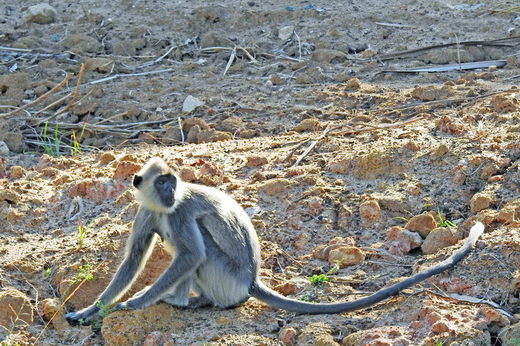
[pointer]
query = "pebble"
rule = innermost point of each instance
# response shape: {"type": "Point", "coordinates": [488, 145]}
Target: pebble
{"type": "Point", "coordinates": [285, 32]}
{"type": "Point", "coordinates": [256, 161]}
{"type": "Point", "coordinates": [328, 56]}
{"type": "Point", "coordinates": [41, 14]}
{"type": "Point", "coordinates": [438, 239]}
{"type": "Point", "coordinates": [480, 201]}
{"type": "Point", "coordinates": [346, 256]}
{"type": "Point", "coordinates": [369, 212]}
{"type": "Point", "coordinates": [422, 224]}
{"type": "Point", "coordinates": [287, 335]}
{"type": "Point", "coordinates": [15, 307]}
{"type": "Point", "coordinates": [402, 241]}
{"type": "Point", "coordinates": [310, 124]}
{"type": "Point", "coordinates": [4, 149]}
{"type": "Point", "coordinates": [191, 103]}
{"type": "Point", "coordinates": [275, 186]}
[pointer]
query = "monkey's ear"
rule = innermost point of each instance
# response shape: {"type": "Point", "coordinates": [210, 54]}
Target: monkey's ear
{"type": "Point", "coordinates": [137, 181]}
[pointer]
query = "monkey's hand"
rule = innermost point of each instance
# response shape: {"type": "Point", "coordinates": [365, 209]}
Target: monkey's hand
{"type": "Point", "coordinates": [84, 316]}
{"type": "Point", "coordinates": [136, 302]}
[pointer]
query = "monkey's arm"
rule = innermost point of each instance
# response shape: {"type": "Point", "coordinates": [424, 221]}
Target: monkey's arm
{"type": "Point", "coordinates": [190, 253]}
{"type": "Point", "coordinates": [138, 249]}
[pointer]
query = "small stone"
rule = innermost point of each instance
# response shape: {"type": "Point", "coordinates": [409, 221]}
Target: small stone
{"type": "Point", "coordinates": [431, 92]}
{"type": "Point", "coordinates": [256, 161]}
{"type": "Point", "coordinates": [402, 241]}
{"type": "Point", "coordinates": [275, 186]}
{"type": "Point", "coordinates": [328, 56]}
{"type": "Point", "coordinates": [285, 32]}
{"type": "Point", "coordinates": [9, 196]}
{"type": "Point", "coordinates": [369, 212]}
{"type": "Point", "coordinates": [41, 14]}
{"type": "Point", "coordinates": [311, 124]}
{"type": "Point", "coordinates": [52, 310]}
{"type": "Point", "coordinates": [438, 239]}
{"type": "Point", "coordinates": [212, 135]}
{"type": "Point", "coordinates": [287, 335]}
{"type": "Point", "coordinates": [106, 158]}
{"type": "Point", "coordinates": [102, 65]}
{"type": "Point", "coordinates": [17, 172]}
{"type": "Point", "coordinates": [315, 205]}
{"type": "Point", "coordinates": [40, 90]}
{"type": "Point", "coordinates": [126, 169]}
{"type": "Point", "coordinates": [422, 224]}
{"type": "Point", "coordinates": [4, 149]}
{"type": "Point", "coordinates": [346, 256]}
{"type": "Point", "coordinates": [231, 124]}
{"type": "Point", "coordinates": [451, 126]}
{"type": "Point", "coordinates": [442, 150]}
{"type": "Point", "coordinates": [344, 217]}
{"type": "Point", "coordinates": [191, 103]}
{"type": "Point", "coordinates": [189, 123]}
{"type": "Point", "coordinates": [440, 327]}
{"type": "Point", "coordinates": [123, 48]}
{"type": "Point", "coordinates": [480, 201]}
{"type": "Point", "coordinates": [188, 174]}
{"type": "Point", "coordinates": [353, 83]}
{"type": "Point", "coordinates": [80, 43]}
{"type": "Point", "coordinates": [193, 134]}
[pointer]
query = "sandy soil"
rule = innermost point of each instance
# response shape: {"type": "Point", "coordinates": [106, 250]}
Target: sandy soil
{"type": "Point", "coordinates": [233, 94]}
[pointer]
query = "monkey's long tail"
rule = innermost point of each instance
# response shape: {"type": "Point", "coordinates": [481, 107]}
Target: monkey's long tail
{"type": "Point", "coordinates": [264, 293]}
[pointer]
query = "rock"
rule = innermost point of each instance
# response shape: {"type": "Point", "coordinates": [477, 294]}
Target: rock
{"type": "Point", "coordinates": [15, 308]}
{"type": "Point", "coordinates": [193, 134]}
{"type": "Point", "coordinates": [123, 48]}
{"type": "Point", "coordinates": [102, 65]}
{"type": "Point", "coordinates": [212, 135]}
{"type": "Point", "coordinates": [480, 201]}
{"type": "Point", "coordinates": [287, 336]}
{"type": "Point", "coordinates": [346, 256]}
{"type": "Point", "coordinates": [451, 126]}
{"type": "Point", "coordinates": [4, 149]}
{"type": "Point", "coordinates": [14, 141]}
{"type": "Point", "coordinates": [310, 76]}
{"type": "Point", "coordinates": [52, 310]}
{"type": "Point", "coordinates": [80, 44]}
{"type": "Point", "coordinates": [210, 174]}
{"type": "Point", "coordinates": [10, 196]}
{"type": "Point", "coordinates": [191, 103]}
{"type": "Point", "coordinates": [158, 338]}
{"type": "Point", "coordinates": [353, 83]}
{"type": "Point", "coordinates": [188, 174]}
{"type": "Point", "coordinates": [132, 327]}
{"type": "Point", "coordinates": [509, 213]}
{"type": "Point", "coordinates": [231, 124]}
{"type": "Point", "coordinates": [315, 205]}
{"type": "Point", "coordinates": [126, 169]}
{"type": "Point", "coordinates": [369, 165]}
{"type": "Point", "coordinates": [285, 32]}
{"type": "Point", "coordinates": [402, 241]}
{"type": "Point", "coordinates": [438, 239]}
{"type": "Point", "coordinates": [344, 217]}
{"type": "Point", "coordinates": [317, 334]}
{"type": "Point", "coordinates": [41, 14]}
{"type": "Point", "coordinates": [431, 92]}
{"type": "Point", "coordinates": [189, 123]}
{"type": "Point", "coordinates": [504, 103]}
{"type": "Point", "coordinates": [106, 157]}
{"type": "Point", "coordinates": [256, 161]}
{"type": "Point", "coordinates": [328, 56]}
{"type": "Point", "coordinates": [379, 336]}
{"type": "Point", "coordinates": [310, 124]}
{"type": "Point", "coordinates": [369, 212]}
{"type": "Point", "coordinates": [275, 186]}
{"type": "Point", "coordinates": [16, 172]}
{"type": "Point", "coordinates": [422, 224]}
{"type": "Point", "coordinates": [97, 190]}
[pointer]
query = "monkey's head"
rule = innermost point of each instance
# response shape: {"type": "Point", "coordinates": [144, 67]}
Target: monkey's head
{"type": "Point", "coordinates": [156, 184]}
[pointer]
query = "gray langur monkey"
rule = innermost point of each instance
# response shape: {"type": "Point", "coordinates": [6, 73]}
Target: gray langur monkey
{"type": "Point", "coordinates": [216, 252]}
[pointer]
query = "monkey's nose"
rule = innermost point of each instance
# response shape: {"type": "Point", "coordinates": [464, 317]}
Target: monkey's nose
{"type": "Point", "coordinates": [137, 180]}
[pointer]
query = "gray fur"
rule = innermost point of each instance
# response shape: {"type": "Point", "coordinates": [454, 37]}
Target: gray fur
{"type": "Point", "coordinates": [216, 253]}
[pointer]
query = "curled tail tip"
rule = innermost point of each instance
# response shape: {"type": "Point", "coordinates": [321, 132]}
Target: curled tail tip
{"type": "Point", "coordinates": [476, 230]}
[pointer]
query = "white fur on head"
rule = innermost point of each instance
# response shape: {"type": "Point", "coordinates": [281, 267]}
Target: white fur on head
{"type": "Point", "coordinates": [146, 193]}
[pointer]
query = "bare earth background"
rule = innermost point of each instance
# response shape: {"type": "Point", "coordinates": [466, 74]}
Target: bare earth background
{"type": "Point", "coordinates": [266, 80]}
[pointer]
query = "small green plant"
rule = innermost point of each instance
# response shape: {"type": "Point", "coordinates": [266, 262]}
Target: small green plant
{"type": "Point", "coordinates": [318, 280]}
{"type": "Point", "coordinates": [84, 273]}
{"type": "Point", "coordinates": [439, 343]}
{"type": "Point", "coordinates": [47, 272]}
{"type": "Point", "coordinates": [51, 146]}
{"type": "Point", "coordinates": [81, 234]}
{"type": "Point", "coordinates": [76, 148]}
{"type": "Point", "coordinates": [442, 222]}
{"type": "Point", "coordinates": [104, 309]}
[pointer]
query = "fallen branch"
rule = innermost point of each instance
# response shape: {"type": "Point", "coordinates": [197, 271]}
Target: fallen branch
{"type": "Point", "coordinates": [451, 67]}
{"type": "Point", "coordinates": [120, 75]}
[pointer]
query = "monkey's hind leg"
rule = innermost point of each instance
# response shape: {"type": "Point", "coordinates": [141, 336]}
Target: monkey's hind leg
{"type": "Point", "coordinates": [180, 295]}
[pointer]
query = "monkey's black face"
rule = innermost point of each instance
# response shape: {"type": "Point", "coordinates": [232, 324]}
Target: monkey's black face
{"type": "Point", "coordinates": [165, 187]}
{"type": "Point", "coordinates": [137, 181]}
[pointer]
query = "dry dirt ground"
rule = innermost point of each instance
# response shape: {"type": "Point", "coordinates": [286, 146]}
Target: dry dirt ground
{"type": "Point", "coordinates": [294, 113]}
